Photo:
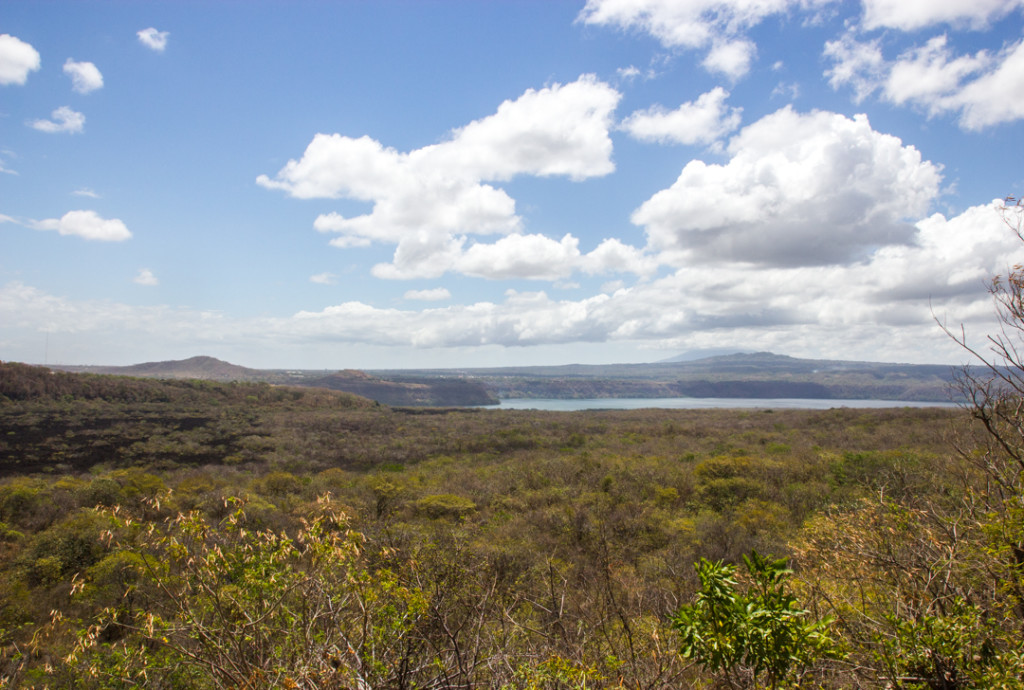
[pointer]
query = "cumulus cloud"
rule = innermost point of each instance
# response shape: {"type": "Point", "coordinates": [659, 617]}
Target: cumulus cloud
{"type": "Point", "coordinates": [929, 73]}
{"type": "Point", "coordinates": [17, 60]}
{"type": "Point", "coordinates": [63, 120]}
{"type": "Point", "coordinates": [431, 295]}
{"type": "Point", "coordinates": [146, 277]}
{"type": "Point", "coordinates": [703, 121]}
{"type": "Point", "coordinates": [995, 97]}
{"type": "Point", "coordinates": [516, 256]}
{"type": "Point", "coordinates": [719, 26]}
{"type": "Point", "coordinates": [910, 15]}
{"type": "Point", "coordinates": [731, 58]}
{"type": "Point", "coordinates": [886, 302]}
{"type": "Point", "coordinates": [985, 89]}
{"type": "Point", "coordinates": [85, 76]}
{"type": "Point", "coordinates": [88, 225]}
{"type": "Point", "coordinates": [528, 318]}
{"type": "Point", "coordinates": [799, 189]}
{"type": "Point", "coordinates": [521, 256]}
{"type": "Point", "coordinates": [775, 307]}
{"type": "Point", "coordinates": [324, 279]}
{"type": "Point", "coordinates": [153, 39]}
{"type": "Point", "coordinates": [428, 201]}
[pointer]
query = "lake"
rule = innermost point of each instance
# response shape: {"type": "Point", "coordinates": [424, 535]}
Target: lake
{"type": "Point", "coordinates": [559, 405]}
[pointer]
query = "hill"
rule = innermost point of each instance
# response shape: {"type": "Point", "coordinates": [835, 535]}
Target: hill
{"type": "Point", "coordinates": [437, 391]}
{"type": "Point", "coordinates": [206, 368]}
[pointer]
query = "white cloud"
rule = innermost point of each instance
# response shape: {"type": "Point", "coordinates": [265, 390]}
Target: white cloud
{"type": "Point", "coordinates": [996, 96]}
{"type": "Point", "coordinates": [731, 58]}
{"type": "Point", "coordinates": [717, 25]}
{"type": "Point", "coordinates": [427, 201]}
{"type": "Point", "coordinates": [324, 279]}
{"type": "Point", "coordinates": [613, 256]}
{"type": "Point", "coordinates": [985, 89]}
{"type": "Point", "coordinates": [909, 15]}
{"type": "Point", "coordinates": [884, 303]}
{"type": "Point", "coordinates": [558, 130]}
{"type": "Point", "coordinates": [628, 73]}
{"type": "Point", "coordinates": [522, 319]}
{"type": "Point", "coordinates": [432, 295]}
{"type": "Point", "coordinates": [86, 192]}
{"type": "Point", "coordinates": [422, 255]}
{"type": "Point", "coordinates": [153, 39]}
{"type": "Point", "coordinates": [99, 330]}
{"type": "Point", "coordinates": [859, 64]}
{"type": "Point", "coordinates": [521, 256]}
{"type": "Point", "coordinates": [928, 75]}
{"type": "Point", "coordinates": [85, 76]}
{"type": "Point", "coordinates": [146, 277]}
{"type": "Point", "coordinates": [632, 73]}
{"type": "Point", "coordinates": [88, 225]}
{"type": "Point", "coordinates": [695, 122]}
{"type": "Point", "coordinates": [335, 166]}
{"type": "Point", "coordinates": [517, 256]}
{"type": "Point", "coordinates": [790, 91]}
{"type": "Point", "coordinates": [17, 59]}
{"type": "Point", "coordinates": [64, 119]}
{"type": "Point", "coordinates": [799, 189]}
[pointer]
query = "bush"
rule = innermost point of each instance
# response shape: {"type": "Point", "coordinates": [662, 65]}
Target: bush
{"type": "Point", "coordinates": [445, 506]}
{"type": "Point", "coordinates": [749, 633]}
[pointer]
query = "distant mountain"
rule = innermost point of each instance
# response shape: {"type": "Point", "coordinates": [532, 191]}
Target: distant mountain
{"type": "Point", "coordinates": [733, 375]}
{"type": "Point", "coordinates": [704, 353]}
{"type": "Point", "coordinates": [737, 375]}
{"type": "Point", "coordinates": [208, 368]}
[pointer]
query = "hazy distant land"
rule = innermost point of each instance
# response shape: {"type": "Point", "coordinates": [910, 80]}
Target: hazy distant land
{"type": "Point", "coordinates": [742, 375]}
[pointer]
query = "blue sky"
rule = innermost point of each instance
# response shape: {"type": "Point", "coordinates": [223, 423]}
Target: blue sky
{"type": "Point", "coordinates": [446, 184]}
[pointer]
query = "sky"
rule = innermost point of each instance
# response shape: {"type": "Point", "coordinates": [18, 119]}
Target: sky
{"type": "Point", "coordinates": [432, 183]}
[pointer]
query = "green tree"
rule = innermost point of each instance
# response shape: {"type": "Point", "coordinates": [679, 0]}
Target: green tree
{"type": "Point", "coordinates": [742, 634]}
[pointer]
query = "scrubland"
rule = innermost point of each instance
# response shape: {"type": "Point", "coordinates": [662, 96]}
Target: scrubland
{"type": "Point", "coordinates": [195, 535]}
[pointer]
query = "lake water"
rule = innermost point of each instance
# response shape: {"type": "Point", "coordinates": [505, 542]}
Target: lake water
{"type": "Point", "coordinates": [558, 405]}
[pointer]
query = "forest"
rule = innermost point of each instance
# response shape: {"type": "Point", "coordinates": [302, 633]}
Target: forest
{"type": "Point", "coordinates": [195, 534]}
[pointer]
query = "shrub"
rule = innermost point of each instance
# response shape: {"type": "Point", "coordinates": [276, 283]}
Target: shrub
{"type": "Point", "coordinates": [758, 631]}
{"type": "Point", "coordinates": [445, 506]}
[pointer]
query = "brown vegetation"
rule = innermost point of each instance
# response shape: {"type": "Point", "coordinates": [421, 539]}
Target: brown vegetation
{"type": "Point", "coordinates": [492, 548]}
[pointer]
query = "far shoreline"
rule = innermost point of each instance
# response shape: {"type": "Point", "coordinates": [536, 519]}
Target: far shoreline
{"type": "Point", "coordinates": [579, 404]}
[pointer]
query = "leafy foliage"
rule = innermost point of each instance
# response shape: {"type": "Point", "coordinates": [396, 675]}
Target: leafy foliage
{"type": "Point", "coordinates": [758, 631]}
{"type": "Point", "coordinates": [230, 606]}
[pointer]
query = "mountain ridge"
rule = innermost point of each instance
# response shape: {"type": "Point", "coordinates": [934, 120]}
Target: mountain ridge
{"type": "Point", "coordinates": [733, 375]}
{"type": "Point", "coordinates": [455, 393]}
